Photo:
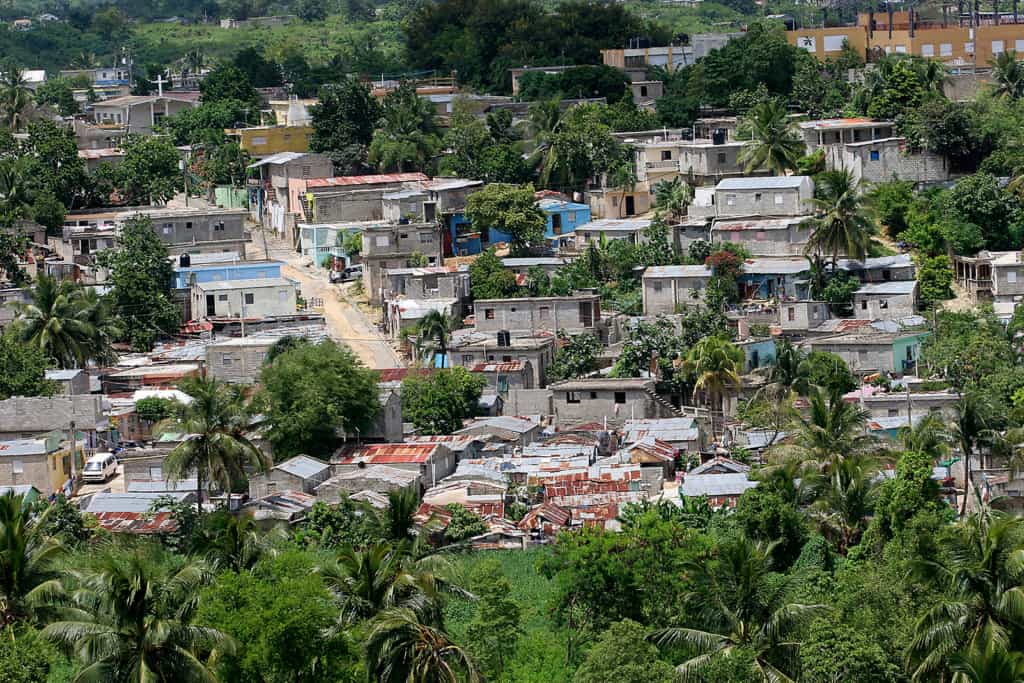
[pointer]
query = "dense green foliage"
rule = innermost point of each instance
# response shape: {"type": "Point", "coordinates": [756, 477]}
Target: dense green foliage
{"type": "Point", "coordinates": [438, 403]}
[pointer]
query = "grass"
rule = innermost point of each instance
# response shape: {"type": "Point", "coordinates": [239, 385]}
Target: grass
{"type": "Point", "coordinates": [539, 655]}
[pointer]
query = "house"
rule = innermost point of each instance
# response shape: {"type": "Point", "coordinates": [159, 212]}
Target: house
{"type": "Point", "coordinates": [388, 246]}
{"type": "Point", "coordinates": [139, 114]}
{"type": "Point", "coordinates": [996, 276]}
{"type": "Point", "coordinates": [44, 463]}
{"type": "Point", "coordinates": [797, 317]}
{"type": "Point", "coordinates": [915, 403]}
{"type": "Point", "coordinates": [599, 399]}
{"type": "Point", "coordinates": [629, 229]}
{"type": "Point", "coordinates": [262, 141]}
{"type": "Point", "coordinates": [404, 315]}
{"type": "Point", "coordinates": [27, 417]}
{"type": "Point", "coordinates": [159, 375]}
{"type": "Point", "coordinates": [248, 299]}
{"type": "Point", "coordinates": [841, 132]}
{"type": "Point", "coordinates": [886, 300]}
{"type": "Point", "coordinates": [515, 431]}
{"type": "Point", "coordinates": [880, 268]}
{"type": "Point", "coordinates": [198, 230]}
{"type": "Point", "coordinates": [870, 351]}
{"type": "Point", "coordinates": [573, 314]}
{"type": "Point", "coordinates": [216, 267]}
{"type": "Point", "coordinates": [682, 433]}
{"type": "Point", "coordinates": [720, 490]}
{"type": "Point", "coordinates": [347, 198]}
{"type": "Point", "coordinates": [136, 513]}
{"type": "Point", "coordinates": [380, 479]}
{"type": "Point", "coordinates": [697, 161]}
{"type": "Point", "coordinates": [464, 446]}
{"type": "Point", "coordinates": [293, 111]}
{"type": "Point", "coordinates": [501, 376]}
{"type": "Point", "coordinates": [387, 426]}
{"type": "Point", "coordinates": [104, 75]}
{"type": "Point", "coordinates": [269, 200]}
{"type": "Point", "coordinates": [238, 360]}
{"type": "Point", "coordinates": [784, 236]}
{"type": "Point", "coordinates": [432, 282]}
{"type": "Point", "coordinates": [301, 473]}
{"type": "Point", "coordinates": [766, 196]}
{"type": "Point", "coordinates": [719, 464]}
{"type": "Point", "coordinates": [774, 278]}
{"type": "Point", "coordinates": [657, 460]}
{"type": "Point", "coordinates": [609, 201]}
{"type": "Point", "coordinates": [441, 200]}
{"type": "Point", "coordinates": [635, 60]}
{"type": "Point", "coordinates": [757, 353]}
{"type": "Point", "coordinates": [546, 520]}
{"type": "Point", "coordinates": [535, 351]}
{"type": "Point", "coordinates": [72, 382]}
{"type": "Point", "coordinates": [105, 156]}
{"type": "Point", "coordinates": [481, 496]}
{"type": "Point", "coordinates": [523, 265]}
{"type": "Point", "coordinates": [877, 161]}
{"type": "Point", "coordinates": [670, 289]}
{"type": "Point", "coordinates": [645, 93]}
{"type": "Point", "coordinates": [562, 217]}
{"type": "Point", "coordinates": [431, 461]}
{"type": "Point", "coordinates": [281, 506]}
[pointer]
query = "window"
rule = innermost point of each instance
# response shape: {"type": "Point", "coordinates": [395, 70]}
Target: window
{"type": "Point", "coordinates": [222, 297]}
{"type": "Point", "coordinates": [615, 200]}
{"type": "Point", "coordinates": [834, 43]}
{"type": "Point", "coordinates": [862, 355]}
{"type": "Point", "coordinates": [998, 46]}
{"type": "Point", "coordinates": [156, 472]}
{"type": "Point", "coordinates": [467, 359]}
{"type": "Point", "coordinates": [571, 217]}
{"type": "Point", "coordinates": [283, 295]}
{"type": "Point", "coordinates": [945, 49]}
{"type": "Point", "coordinates": [381, 241]}
{"type": "Point", "coordinates": [808, 43]}
{"type": "Point", "coordinates": [666, 155]}
{"type": "Point", "coordinates": [17, 467]}
{"type": "Point", "coordinates": [545, 313]}
{"type": "Point", "coordinates": [779, 199]}
{"type": "Point", "coordinates": [721, 157]}
{"type": "Point", "coordinates": [969, 47]}
{"type": "Point", "coordinates": [620, 396]}
{"type": "Point", "coordinates": [893, 412]}
{"type": "Point", "coordinates": [403, 236]}
{"type": "Point", "coordinates": [572, 397]}
{"type": "Point", "coordinates": [306, 171]}
{"type": "Point", "coordinates": [167, 230]}
{"type": "Point", "coordinates": [1018, 45]}
{"type": "Point", "coordinates": [757, 196]}
{"type": "Point", "coordinates": [634, 61]}
{"type": "Point", "coordinates": [884, 303]}
{"type": "Point", "coordinates": [188, 225]}
{"type": "Point", "coordinates": [863, 304]}
{"type": "Point", "coordinates": [927, 50]}
{"type": "Point", "coordinates": [506, 359]}
{"type": "Point", "coordinates": [1011, 277]}
{"type": "Point", "coordinates": [488, 314]}
{"type": "Point", "coordinates": [426, 237]}
{"type": "Point", "coordinates": [593, 395]}
{"type": "Point", "coordinates": [250, 298]}
{"type": "Point", "coordinates": [791, 314]}
{"type": "Point", "coordinates": [643, 91]}
{"type": "Point", "coordinates": [225, 361]}
{"type": "Point", "coordinates": [218, 226]}
{"type": "Point", "coordinates": [759, 236]}
{"type": "Point", "coordinates": [901, 49]}
{"type": "Point", "coordinates": [656, 286]}
{"type": "Point", "coordinates": [730, 200]}
{"type": "Point", "coordinates": [259, 140]}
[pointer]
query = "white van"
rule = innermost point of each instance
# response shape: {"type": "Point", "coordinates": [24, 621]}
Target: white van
{"type": "Point", "coordinates": [100, 467]}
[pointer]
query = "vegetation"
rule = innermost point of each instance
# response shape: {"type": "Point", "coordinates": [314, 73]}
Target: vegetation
{"type": "Point", "coordinates": [438, 403]}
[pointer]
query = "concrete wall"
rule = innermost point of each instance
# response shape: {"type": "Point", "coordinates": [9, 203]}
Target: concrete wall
{"type": "Point", "coordinates": [1002, 288]}
{"type": "Point", "coordinates": [883, 306]}
{"type": "Point", "coordinates": [529, 402]}
{"type": "Point", "coordinates": [35, 470]}
{"type": "Point", "coordinates": [861, 358]}
{"type": "Point", "coordinates": [236, 361]}
{"type": "Point", "coordinates": [767, 202]}
{"type": "Point", "coordinates": [881, 161]}
{"type": "Point", "coordinates": [800, 316]}
{"type": "Point", "coordinates": [277, 480]}
{"type": "Point", "coordinates": [590, 408]}
{"type": "Point", "coordinates": [267, 300]}
{"type": "Point", "coordinates": [665, 295]}
{"type": "Point", "coordinates": [538, 358]}
{"type": "Point", "coordinates": [332, 206]}
{"type": "Point", "coordinates": [387, 426]}
{"type": "Point", "coordinates": [530, 315]}
{"type": "Point", "coordinates": [778, 242]}
{"type": "Point", "coordinates": [190, 229]}
{"type": "Point", "coordinates": [27, 417]}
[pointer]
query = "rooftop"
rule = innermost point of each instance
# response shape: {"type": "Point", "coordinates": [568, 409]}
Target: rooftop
{"type": "Point", "coordinates": [715, 485]}
{"type": "Point", "coordinates": [385, 453]}
{"type": "Point", "coordinates": [394, 475]}
{"type": "Point", "coordinates": [616, 224]}
{"type": "Point", "coordinates": [676, 271]}
{"type": "Point", "coordinates": [898, 287]}
{"type": "Point", "coordinates": [605, 383]}
{"type": "Point", "coordinates": [303, 466]}
{"type": "Point", "coordinates": [506, 367]}
{"type": "Point", "coordinates": [380, 179]}
{"type": "Point", "coordinates": [780, 182]}
{"type": "Point", "coordinates": [280, 158]}
{"type": "Point", "coordinates": [23, 447]}
{"type": "Point", "coordinates": [135, 100]}
{"type": "Point", "coordinates": [775, 266]}
{"type": "Point", "coordinates": [758, 224]}
{"type": "Point", "coordinates": [552, 204]}
{"type": "Point", "coordinates": [506, 423]}
{"type": "Point", "coordinates": [526, 262]}
{"type": "Point", "coordinates": [840, 124]}
{"type": "Point", "coordinates": [131, 502]}
{"type": "Point", "coordinates": [225, 285]}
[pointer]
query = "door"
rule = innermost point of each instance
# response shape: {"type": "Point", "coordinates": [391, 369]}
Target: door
{"type": "Point", "coordinates": [211, 306]}
{"type": "Point", "coordinates": [630, 205]}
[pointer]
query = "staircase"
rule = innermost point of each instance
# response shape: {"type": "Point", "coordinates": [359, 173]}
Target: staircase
{"type": "Point", "coordinates": [676, 411]}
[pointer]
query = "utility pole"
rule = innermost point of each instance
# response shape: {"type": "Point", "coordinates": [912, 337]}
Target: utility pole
{"type": "Point", "coordinates": [74, 459]}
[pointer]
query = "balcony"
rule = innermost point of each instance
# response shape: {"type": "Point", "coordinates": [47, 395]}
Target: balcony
{"type": "Point", "coordinates": [664, 165]}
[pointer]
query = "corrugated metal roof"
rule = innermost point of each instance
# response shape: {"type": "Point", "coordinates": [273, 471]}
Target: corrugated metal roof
{"type": "Point", "coordinates": [778, 182]}
{"type": "Point", "coordinates": [279, 158]}
{"type": "Point", "coordinates": [366, 180]}
{"type": "Point", "coordinates": [613, 224]}
{"type": "Point", "coordinates": [716, 485]}
{"type": "Point", "coordinates": [505, 423]}
{"type": "Point", "coordinates": [393, 475]}
{"type": "Point", "coordinates": [303, 466]}
{"type": "Point", "coordinates": [510, 366]}
{"type": "Point", "coordinates": [137, 522]}
{"type": "Point", "coordinates": [720, 462]}
{"type": "Point", "coordinates": [838, 124]}
{"type": "Point", "coordinates": [775, 266]}
{"type": "Point", "coordinates": [676, 271]}
{"type": "Point", "coordinates": [386, 453]}
{"type": "Point", "coordinates": [244, 284]}
{"type": "Point", "coordinates": [758, 224]}
{"type": "Point", "coordinates": [897, 287]}
{"type": "Point", "coordinates": [161, 486]}
{"type": "Point", "coordinates": [132, 502]}
{"type": "Point", "coordinates": [23, 447]}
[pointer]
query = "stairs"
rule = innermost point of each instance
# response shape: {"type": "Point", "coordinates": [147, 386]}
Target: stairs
{"type": "Point", "coordinates": [674, 411]}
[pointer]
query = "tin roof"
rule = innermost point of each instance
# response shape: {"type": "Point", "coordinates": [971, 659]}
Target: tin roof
{"type": "Point", "coordinates": [224, 285]}
{"type": "Point", "coordinates": [279, 158]}
{"type": "Point", "coordinates": [897, 287]}
{"type": "Point", "coordinates": [384, 453]}
{"type": "Point", "coordinates": [839, 124]}
{"type": "Point", "coordinates": [719, 463]}
{"type": "Point", "coordinates": [510, 366]}
{"type": "Point", "coordinates": [137, 522]}
{"type": "Point", "coordinates": [393, 475]}
{"type": "Point", "coordinates": [506, 423]}
{"type": "Point", "coordinates": [715, 484]}
{"type": "Point", "coordinates": [303, 466]}
{"type": "Point", "coordinates": [23, 447]}
{"type": "Point", "coordinates": [132, 502]}
{"type": "Point", "coordinates": [775, 266]}
{"type": "Point", "coordinates": [614, 224]}
{"type": "Point", "coordinates": [366, 180]}
{"type": "Point", "coordinates": [676, 271]}
{"type": "Point", "coordinates": [656, 448]}
{"type": "Point", "coordinates": [758, 224]}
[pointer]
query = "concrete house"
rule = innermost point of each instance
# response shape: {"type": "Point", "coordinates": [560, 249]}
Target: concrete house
{"type": "Point", "coordinates": [881, 268]}
{"type": "Point", "coordinates": [441, 200]}
{"type": "Point", "coordinates": [574, 314]}
{"type": "Point", "coordinates": [266, 298]}
{"type": "Point", "coordinates": [139, 114]}
{"type": "Point", "coordinates": [44, 463]}
{"type": "Point", "coordinates": [721, 490]}
{"type": "Point", "coordinates": [522, 265]}
{"type": "Point", "coordinates": [269, 201]}
{"type": "Point", "coordinates": [774, 278]}
{"type": "Point", "coordinates": [432, 461]}
{"type": "Point", "coordinates": [515, 431]}
{"type": "Point", "coordinates": [72, 382]}
{"type": "Point", "coordinates": [28, 417]}
{"type": "Point", "coordinates": [197, 231]}
{"type": "Point", "coordinates": [668, 289]}
{"type": "Point", "coordinates": [878, 161]}
{"type": "Point", "coordinates": [562, 218]}
{"type": "Point", "coordinates": [682, 433]}
{"type": "Point", "coordinates": [392, 246]}
{"type": "Point", "coordinates": [886, 300]}
{"type": "Point", "coordinates": [797, 317]}
{"type": "Point", "coordinates": [840, 132]}
{"type": "Point", "coordinates": [345, 199]}
{"type": "Point", "coordinates": [599, 399]}
{"type": "Point", "coordinates": [608, 201]}
{"type": "Point", "coordinates": [698, 161]}
{"type": "Point", "coordinates": [867, 352]}
{"type": "Point", "coordinates": [432, 282]}
{"type": "Point", "coordinates": [380, 479]}
{"type": "Point", "coordinates": [534, 352]}
{"type": "Point", "coordinates": [301, 473]}
{"type": "Point", "coordinates": [237, 360]}
{"type": "Point", "coordinates": [996, 276]}
{"type": "Point", "coordinates": [917, 404]}
{"type": "Point", "coordinates": [387, 426]}
{"type": "Point", "coordinates": [501, 377]}
{"type": "Point", "coordinates": [786, 236]}
{"type": "Point", "coordinates": [767, 196]}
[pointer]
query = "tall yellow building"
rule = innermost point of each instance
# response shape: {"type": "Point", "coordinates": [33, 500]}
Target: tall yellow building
{"type": "Point", "coordinates": [953, 45]}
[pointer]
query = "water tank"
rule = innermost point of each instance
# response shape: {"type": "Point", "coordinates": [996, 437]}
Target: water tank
{"type": "Point", "coordinates": [504, 338]}
{"type": "Point", "coordinates": [718, 136]}
{"type": "Point", "coordinates": [184, 261]}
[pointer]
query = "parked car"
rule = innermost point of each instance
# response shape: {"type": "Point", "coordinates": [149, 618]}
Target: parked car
{"type": "Point", "coordinates": [353, 272]}
{"type": "Point", "coordinates": [100, 467]}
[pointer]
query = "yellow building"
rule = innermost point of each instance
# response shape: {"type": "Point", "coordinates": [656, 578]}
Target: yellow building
{"type": "Point", "coordinates": [43, 462]}
{"type": "Point", "coordinates": [261, 141]}
{"type": "Point", "coordinates": [953, 45]}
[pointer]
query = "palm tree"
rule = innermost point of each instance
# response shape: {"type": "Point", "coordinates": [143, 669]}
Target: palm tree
{"type": "Point", "coordinates": [623, 177]}
{"type": "Point", "coordinates": [738, 605]}
{"type": "Point", "coordinates": [841, 222]}
{"type": "Point", "coordinates": [973, 422]}
{"type": "Point", "coordinates": [832, 432]}
{"type": "Point", "coordinates": [402, 647]}
{"type": "Point", "coordinates": [715, 365]}
{"type": "Point", "coordinates": [215, 448]}
{"type": "Point", "coordinates": [845, 500]}
{"type": "Point", "coordinates": [98, 313]}
{"type": "Point", "coordinates": [27, 557]}
{"type": "Point", "coordinates": [543, 122]}
{"type": "Point", "coordinates": [672, 197]}
{"type": "Point", "coordinates": [790, 371]}
{"type": "Point", "coordinates": [128, 617]}
{"type": "Point", "coordinates": [232, 542]}
{"type": "Point", "coordinates": [398, 518]}
{"type": "Point", "coordinates": [15, 189]}
{"type": "Point", "coordinates": [981, 574]}
{"type": "Point", "coordinates": [437, 325]}
{"type": "Point", "coordinates": [58, 321]}
{"type": "Point", "coordinates": [989, 665]}
{"type": "Point", "coordinates": [15, 96]}
{"type": "Point", "coordinates": [929, 436]}
{"type": "Point", "coordinates": [1007, 75]}
{"type": "Point", "coordinates": [774, 143]}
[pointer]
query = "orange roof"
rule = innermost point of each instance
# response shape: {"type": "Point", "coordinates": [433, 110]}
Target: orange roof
{"type": "Point", "coordinates": [366, 179]}
{"type": "Point", "coordinates": [385, 453]}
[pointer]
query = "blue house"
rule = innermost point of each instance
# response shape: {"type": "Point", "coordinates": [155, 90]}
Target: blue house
{"type": "Point", "coordinates": [562, 218]}
{"type": "Point", "coordinates": [757, 353]}
{"type": "Point", "coordinates": [216, 272]}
